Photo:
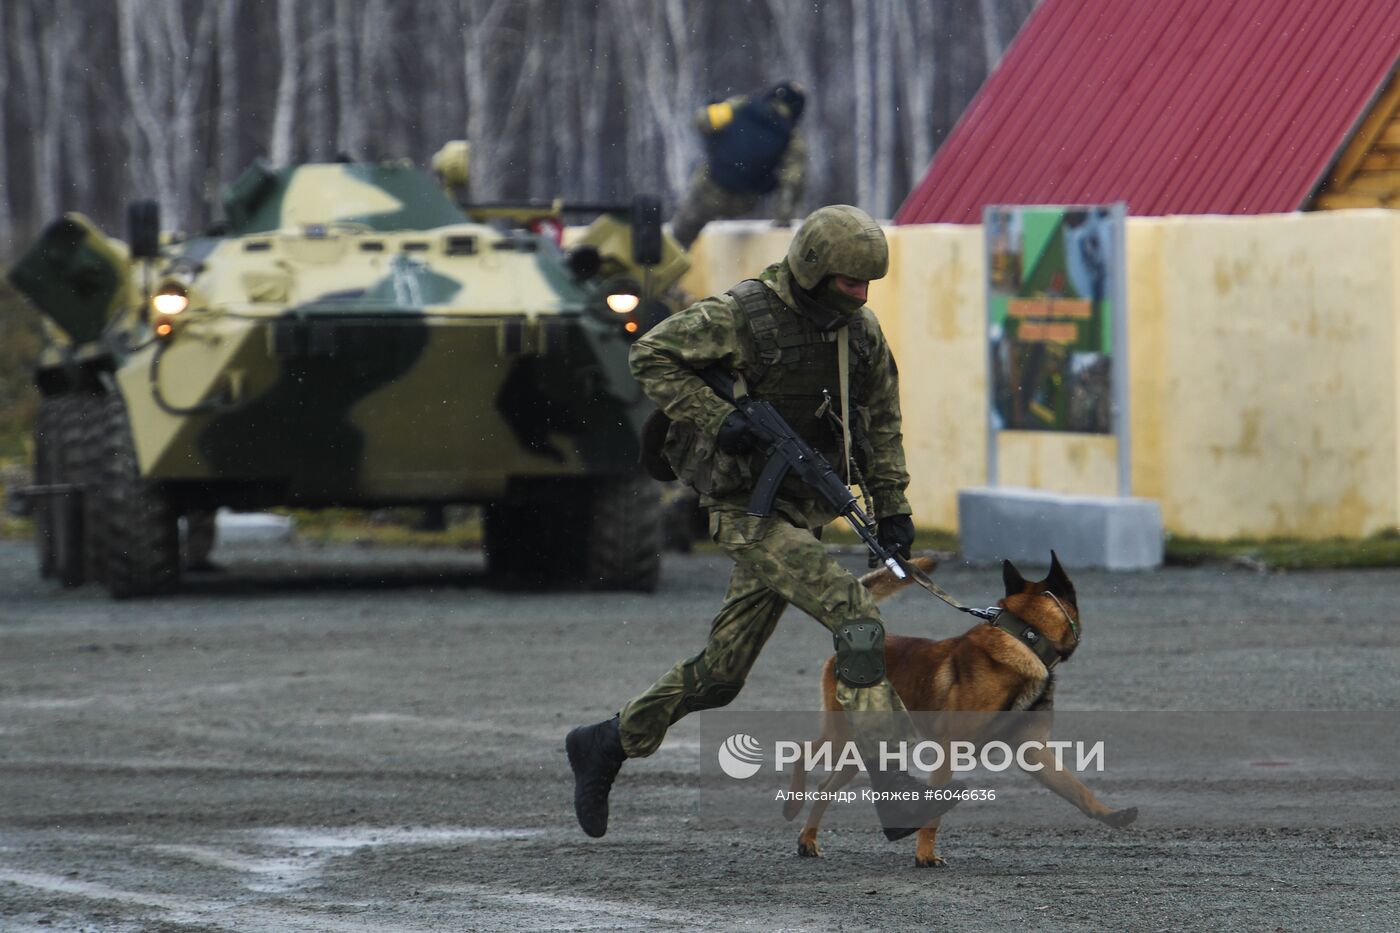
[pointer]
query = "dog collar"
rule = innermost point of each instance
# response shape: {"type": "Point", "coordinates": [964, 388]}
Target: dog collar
{"type": "Point", "coordinates": [1030, 636]}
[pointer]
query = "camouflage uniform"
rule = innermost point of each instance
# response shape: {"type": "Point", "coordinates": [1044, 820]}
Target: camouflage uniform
{"type": "Point", "coordinates": [782, 333]}
{"type": "Point", "coordinates": [779, 559]}
{"type": "Point", "coordinates": [709, 199]}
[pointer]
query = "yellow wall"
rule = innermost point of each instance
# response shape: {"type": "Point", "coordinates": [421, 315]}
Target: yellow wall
{"type": "Point", "coordinates": [1263, 356]}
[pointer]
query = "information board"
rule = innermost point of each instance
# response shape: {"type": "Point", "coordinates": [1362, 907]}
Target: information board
{"type": "Point", "coordinates": [1056, 290]}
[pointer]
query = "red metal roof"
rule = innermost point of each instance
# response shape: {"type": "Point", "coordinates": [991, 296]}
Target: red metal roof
{"type": "Point", "coordinates": [1174, 106]}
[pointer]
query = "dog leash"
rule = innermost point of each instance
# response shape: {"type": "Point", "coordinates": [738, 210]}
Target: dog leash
{"type": "Point", "coordinates": [921, 578]}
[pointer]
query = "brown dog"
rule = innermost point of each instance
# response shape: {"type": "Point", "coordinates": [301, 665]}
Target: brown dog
{"type": "Point", "coordinates": [989, 669]}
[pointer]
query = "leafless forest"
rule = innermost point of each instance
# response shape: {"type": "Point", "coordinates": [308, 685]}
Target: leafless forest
{"type": "Point", "coordinates": [106, 100]}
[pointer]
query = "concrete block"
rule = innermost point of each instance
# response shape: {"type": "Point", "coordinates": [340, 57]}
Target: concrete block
{"type": "Point", "coordinates": [251, 527]}
{"type": "Point", "coordinates": [1085, 531]}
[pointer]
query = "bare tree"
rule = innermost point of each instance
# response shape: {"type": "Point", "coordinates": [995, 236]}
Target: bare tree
{"type": "Point", "coordinates": [318, 142]}
{"type": "Point", "coordinates": [916, 63]}
{"type": "Point", "coordinates": [373, 33]}
{"type": "Point", "coordinates": [43, 49]}
{"type": "Point", "coordinates": [661, 36]}
{"type": "Point", "coordinates": [189, 55]}
{"type": "Point", "coordinates": [400, 98]}
{"type": "Point", "coordinates": [164, 67]}
{"type": "Point", "coordinates": [797, 42]}
{"type": "Point", "coordinates": [596, 60]}
{"type": "Point", "coordinates": [441, 94]}
{"type": "Point", "coordinates": [76, 145]}
{"type": "Point", "coordinates": [350, 120]}
{"type": "Point", "coordinates": [992, 46]}
{"type": "Point", "coordinates": [639, 129]}
{"type": "Point", "coordinates": [150, 164]}
{"type": "Point", "coordinates": [862, 50]}
{"type": "Point", "coordinates": [540, 183]}
{"type": "Point", "coordinates": [7, 220]}
{"type": "Point", "coordinates": [588, 98]}
{"type": "Point", "coordinates": [883, 165]}
{"type": "Point", "coordinates": [288, 84]}
{"type": "Point", "coordinates": [229, 155]}
{"type": "Point", "coordinates": [481, 21]}
{"type": "Point", "coordinates": [359, 42]}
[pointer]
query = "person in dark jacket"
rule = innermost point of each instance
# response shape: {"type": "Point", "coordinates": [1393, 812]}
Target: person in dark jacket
{"type": "Point", "coordinates": [752, 148]}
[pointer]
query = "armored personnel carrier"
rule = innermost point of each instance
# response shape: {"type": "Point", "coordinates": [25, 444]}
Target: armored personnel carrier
{"type": "Point", "coordinates": [348, 336]}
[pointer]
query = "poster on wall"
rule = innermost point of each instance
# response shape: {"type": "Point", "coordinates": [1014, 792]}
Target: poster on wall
{"type": "Point", "coordinates": [1055, 286]}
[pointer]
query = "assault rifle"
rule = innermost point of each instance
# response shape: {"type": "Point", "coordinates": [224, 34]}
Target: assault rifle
{"type": "Point", "coordinates": [789, 453]}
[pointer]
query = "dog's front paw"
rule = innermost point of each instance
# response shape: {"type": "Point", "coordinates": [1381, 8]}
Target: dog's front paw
{"type": "Point", "coordinates": [1119, 818]}
{"type": "Point", "coordinates": [808, 849]}
{"type": "Point", "coordinates": [929, 861]}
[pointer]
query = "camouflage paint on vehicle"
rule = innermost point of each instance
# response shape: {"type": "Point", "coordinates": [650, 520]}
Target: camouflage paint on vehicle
{"type": "Point", "coordinates": [356, 338]}
{"type": "Point", "coordinates": [352, 337]}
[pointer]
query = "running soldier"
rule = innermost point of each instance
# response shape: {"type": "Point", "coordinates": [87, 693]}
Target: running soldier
{"type": "Point", "coordinates": [787, 334]}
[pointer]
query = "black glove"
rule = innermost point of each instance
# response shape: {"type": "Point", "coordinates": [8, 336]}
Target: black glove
{"type": "Point", "coordinates": [896, 534]}
{"type": "Point", "coordinates": [734, 436]}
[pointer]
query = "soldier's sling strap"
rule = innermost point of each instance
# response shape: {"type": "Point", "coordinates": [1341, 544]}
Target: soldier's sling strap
{"type": "Point", "coordinates": [749, 298]}
{"type": "Point", "coordinates": [843, 375]}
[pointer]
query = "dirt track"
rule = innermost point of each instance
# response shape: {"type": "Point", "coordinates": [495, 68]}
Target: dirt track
{"type": "Point", "coordinates": [372, 740]}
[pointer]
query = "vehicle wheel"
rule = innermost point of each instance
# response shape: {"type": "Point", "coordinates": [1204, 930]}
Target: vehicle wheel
{"type": "Point", "coordinates": [66, 509]}
{"type": "Point", "coordinates": [45, 446]}
{"type": "Point", "coordinates": [497, 540]}
{"type": "Point", "coordinates": [623, 550]}
{"type": "Point", "coordinates": [86, 442]}
{"type": "Point", "coordinates": [600, 534]}
{"type": "Point", "coordinates": [198, 539]}
{"type": "Point", "coordinates": [141, 530]}
{"type": "Point", "coordinates": [522, 546]}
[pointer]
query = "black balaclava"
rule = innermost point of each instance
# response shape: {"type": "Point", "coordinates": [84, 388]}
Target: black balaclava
{"type": "Point", "coordinates": [826, 305]}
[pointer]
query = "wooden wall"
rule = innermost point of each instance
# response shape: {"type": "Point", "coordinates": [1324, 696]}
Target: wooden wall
{"type": "Point", "coordinates": [1368, 172]}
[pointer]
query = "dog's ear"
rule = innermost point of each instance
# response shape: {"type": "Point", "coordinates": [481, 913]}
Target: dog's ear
{"type": "Point", "coordinates": [883, 584]}
{"type": "Point", "coordinates": [1058, 582]}
{"type": "Point", "coordinates": [1015, 583]}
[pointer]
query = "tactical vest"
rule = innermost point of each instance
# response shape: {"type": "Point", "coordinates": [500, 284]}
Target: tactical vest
{"type": "Point", "coordinates": [791, 362]}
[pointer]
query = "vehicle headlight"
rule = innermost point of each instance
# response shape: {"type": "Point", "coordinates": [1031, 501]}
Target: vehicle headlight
{"type": "Point", "coordinates": [170, 300]}
{"type": "Point", "coordinates": [623, 302]}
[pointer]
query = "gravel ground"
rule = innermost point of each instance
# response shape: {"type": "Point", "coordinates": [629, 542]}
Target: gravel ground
{"type": "Point", "coordinates": [353, 739]}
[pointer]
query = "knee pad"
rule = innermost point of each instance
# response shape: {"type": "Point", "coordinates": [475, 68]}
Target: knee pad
{"type": "Point", "coordinates": [702, 691]}
{"type": "Point", "coordinates": [860, 652]}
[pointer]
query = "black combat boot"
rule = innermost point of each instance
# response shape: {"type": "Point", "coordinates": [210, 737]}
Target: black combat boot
{"type": "Point", "coordinates": [596, 755]}
{"type": "Point", "coordinates": [911, 809]}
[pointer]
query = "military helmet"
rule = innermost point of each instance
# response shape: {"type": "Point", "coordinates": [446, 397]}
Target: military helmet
{"type": "Point", "coordinates": [838, 240]}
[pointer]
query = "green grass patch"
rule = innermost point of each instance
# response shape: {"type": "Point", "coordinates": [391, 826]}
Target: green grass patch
{"type": "Point", "coordinates": [386, 527]}
{"type": "Point", "coordinates": [13, 472]}
{"type": "Point", "coordinates": [1379, 550]}
{"type": "Point", "coordinates": [13, 528]}
{"type": "Point", "coordinates": [21, 339]}
{"type": "Point", "coordinates": [925, 539]}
